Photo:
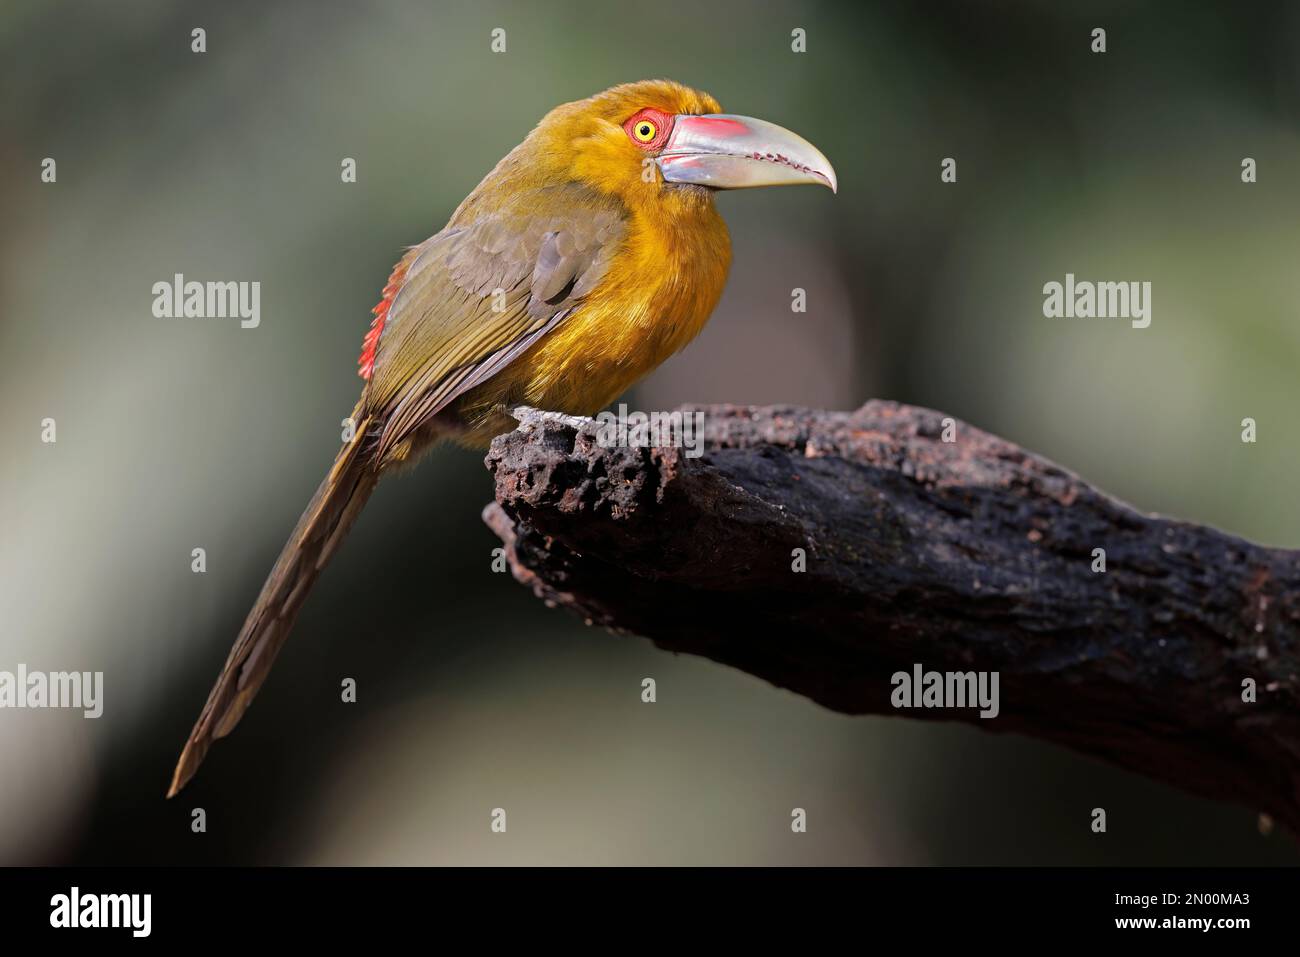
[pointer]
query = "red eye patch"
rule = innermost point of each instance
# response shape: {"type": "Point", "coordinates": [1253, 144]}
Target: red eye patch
{"type": "Point", "coordinates": [649, 129]}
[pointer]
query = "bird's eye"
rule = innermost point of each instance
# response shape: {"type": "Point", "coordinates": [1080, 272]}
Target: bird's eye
{"type": "Point", "coordinates": [648, 129]}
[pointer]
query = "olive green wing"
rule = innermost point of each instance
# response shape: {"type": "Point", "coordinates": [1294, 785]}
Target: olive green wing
{"type": "Point", "coordinates": [478, 294]}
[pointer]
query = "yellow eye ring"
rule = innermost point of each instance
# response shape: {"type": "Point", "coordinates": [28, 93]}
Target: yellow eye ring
{"type": "Point", "coordinates": [644, 131]}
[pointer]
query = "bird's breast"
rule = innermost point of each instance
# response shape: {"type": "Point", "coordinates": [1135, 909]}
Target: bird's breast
{"type": "Point", "coordinates": [657, 295]}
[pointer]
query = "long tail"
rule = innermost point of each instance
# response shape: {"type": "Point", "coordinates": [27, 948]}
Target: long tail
{"type": "Point", "coordinates": [322, 527]}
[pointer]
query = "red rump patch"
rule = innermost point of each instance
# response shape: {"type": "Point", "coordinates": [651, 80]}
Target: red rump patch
{"type": "Point", "coordinates": [371, 342]}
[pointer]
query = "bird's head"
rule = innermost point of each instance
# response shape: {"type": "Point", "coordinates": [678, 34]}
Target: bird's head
{"type": "Point", "coordinates": [649, 140]}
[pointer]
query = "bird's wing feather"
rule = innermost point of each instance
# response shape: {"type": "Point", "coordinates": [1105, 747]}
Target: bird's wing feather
{"type": "Point", "coordinates": [478, 294]}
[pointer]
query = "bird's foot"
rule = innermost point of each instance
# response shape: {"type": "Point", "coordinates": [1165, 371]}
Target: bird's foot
{"type": "Point", "coordinates": [527, 415]}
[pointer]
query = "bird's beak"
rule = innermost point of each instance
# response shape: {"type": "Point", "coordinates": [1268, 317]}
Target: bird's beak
{"type": "Point", "coordinates": [733, 152]}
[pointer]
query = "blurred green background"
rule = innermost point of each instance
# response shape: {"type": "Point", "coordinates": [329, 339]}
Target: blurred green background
{"type": "Point", "coordinates": [472, 695]}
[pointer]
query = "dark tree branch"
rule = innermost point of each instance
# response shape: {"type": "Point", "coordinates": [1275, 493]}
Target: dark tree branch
{"type": "Point", "coordinates": [966, 555]}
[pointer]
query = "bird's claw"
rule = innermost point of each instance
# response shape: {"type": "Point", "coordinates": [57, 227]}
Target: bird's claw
{"type": "Point", "coordinates": [526, 415]}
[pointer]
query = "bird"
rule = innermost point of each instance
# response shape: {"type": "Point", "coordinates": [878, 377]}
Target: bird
{"type": "Point", "coordinates": [590, 254]}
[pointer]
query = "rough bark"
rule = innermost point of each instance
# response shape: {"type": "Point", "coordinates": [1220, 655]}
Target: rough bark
{"type": "Point", "coordinates": [971, 554]}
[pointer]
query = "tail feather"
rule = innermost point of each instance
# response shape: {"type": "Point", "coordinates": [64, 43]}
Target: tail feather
{"type": "Point", "coordinates": [322, 527]}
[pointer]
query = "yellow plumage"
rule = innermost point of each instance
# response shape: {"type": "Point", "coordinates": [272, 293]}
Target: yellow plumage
{"type": "Point", "coordinates": [661, 284]}
{"type": "Point", "coordinates": [656, 297]}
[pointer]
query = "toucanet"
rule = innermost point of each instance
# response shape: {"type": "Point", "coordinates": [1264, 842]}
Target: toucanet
{"type": "Point", "coordinates": [588, 256]}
